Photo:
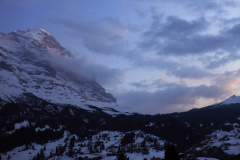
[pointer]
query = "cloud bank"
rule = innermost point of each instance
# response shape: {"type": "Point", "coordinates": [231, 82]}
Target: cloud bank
{"type": "Point", "coordinates": [85, 69]}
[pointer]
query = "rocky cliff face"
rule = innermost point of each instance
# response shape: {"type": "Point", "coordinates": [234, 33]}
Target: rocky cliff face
{"type": "Point", "coordinates": [25, 67]}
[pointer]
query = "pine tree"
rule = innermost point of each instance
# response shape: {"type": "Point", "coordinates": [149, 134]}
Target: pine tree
{"type": "Point", "coordinates": [9, 156]}
{"type": "Point", "coordinates": [70, 152]}
{"type": "Point", "coordinates": [34, 158]}
{"type": "Point", "coordinates": [171, 153]}
{"type": "Point", "coordinates": [56, 152]}
{"type": "Point", "coordinates": [26, 147]}
{"type": "Point", "coordinates": [121, 154]}
{"type": "Point", "coordinates": [38, 156]}
{"type": "Point", "coordinates": [42, 156]}
{"type": "Point", "coordinates": [50, 154]}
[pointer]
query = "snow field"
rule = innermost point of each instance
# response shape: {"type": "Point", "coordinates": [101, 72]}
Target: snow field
{"type": "Point", "coordinates": [115, 137]}
{"type": "Point", "coordinates": [228, 141]}
{"type": "Point", "coordinates": [28, 154]}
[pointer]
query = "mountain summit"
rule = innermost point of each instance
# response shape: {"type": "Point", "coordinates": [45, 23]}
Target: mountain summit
{"type": "Point", "coordinates": [24, 70]}
{"type": "Point", "coordinates": [32, 40]}
{"type": "Point", "coordinates": [231, 100]}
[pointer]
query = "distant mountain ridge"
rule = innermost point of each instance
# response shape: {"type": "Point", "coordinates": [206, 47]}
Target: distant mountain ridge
{"type": "Point", "coordinates": [231, 100]}
{"type": "Point", "coordinates": [25, 68]}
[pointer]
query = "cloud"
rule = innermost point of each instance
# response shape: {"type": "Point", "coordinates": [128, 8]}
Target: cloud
{"type": "Point", "coordinates": [174, 98]}
{"type": "Point", "coordinates": [158, 63]}
{"type": "Point", "coordinates": [180, 37]}
{"type": "Point", "coordinates": [201, 6]}
{"type": "Point", "coordinates": [174, 68]}
{"type": "Point", "coordinates": [141, 13]}
{"type": "Point", "coordinates": [213, 91]}
{"type": "Point", "coordinates": [85, 69]}
{"type": "Point", "coordinates": [191, 73]}
{"type": "Point", "coordinates": [228, 80]}
{"type": "Point", "coordinates": [205, 5]}
{"type": "Point", "coordinates": [139, 84]}
{"type": "Point", "coordinates": [103, 37]}
{"type": "Point", "coordinates": [172, 36]}
{"type": "Point", "coordinates": [175, 26]}
{"type": "Point", "coordinates": [215, 63]}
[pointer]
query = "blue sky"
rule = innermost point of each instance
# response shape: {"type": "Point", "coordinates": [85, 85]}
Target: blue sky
{"type": "Point", "coordinates": [155, 56]}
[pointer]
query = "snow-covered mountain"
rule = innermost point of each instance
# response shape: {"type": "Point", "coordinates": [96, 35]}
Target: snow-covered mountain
{"type": "Point", "coordinates": [231, 100]}
{"type": "Point", "coordinates": [25, 67]}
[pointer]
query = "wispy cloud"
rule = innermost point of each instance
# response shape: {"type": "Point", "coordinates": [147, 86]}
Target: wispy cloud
{"type": "Point", "coordinates": [174, 98]}
{"type": "Point", "coordinates": [180, 37]}
{"type": "Point", "coordinates": [85, 69]}
{"type": "Point", "coordinates": [103, 37]}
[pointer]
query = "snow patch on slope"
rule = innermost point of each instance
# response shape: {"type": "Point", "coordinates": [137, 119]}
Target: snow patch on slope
{"type": "Point", "coordinates": [18, 126]}
{"type": "Point", "coordinates": [229, 142]}
{"type": "Point", "coordinates": [22, 124]}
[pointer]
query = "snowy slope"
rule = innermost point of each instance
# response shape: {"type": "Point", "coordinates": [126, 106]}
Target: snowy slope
{"type": "Point", "coordinates": [25, 67]}
{"type": "Point", "coordinates": [228, 141]}
{"type": "Point", "coordinates": [231, 100]}
{"type": "Point", "coordinates": [108, 138]}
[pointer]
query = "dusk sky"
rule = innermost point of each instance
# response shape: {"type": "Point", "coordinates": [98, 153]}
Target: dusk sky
{"type": "Point", "coordinates": [156, 56]}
